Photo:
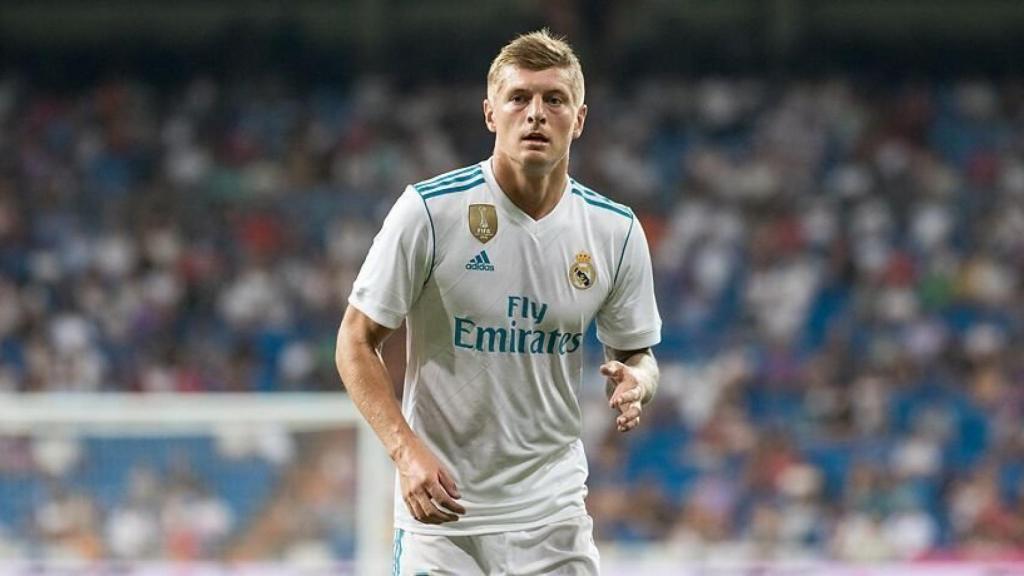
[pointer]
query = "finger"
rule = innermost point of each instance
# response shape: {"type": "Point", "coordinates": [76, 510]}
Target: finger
{"type": "Point", "coordinates": [628, 398]}
{"type": "Point", "coordinates": [443, 499]}
{"type": "Point", "coordinates": [431, 513]}
{"type": "Point", "coordinates": [628, 425]}
{"type": "Point", "coordinates": [414, 509]}
{"type": "Point", "coordinates": [613, 370]}
{"type": "Point", "coordinates": [626, 395]}
{"type": "Point", "coordinates": [415, 506]}
{"type": "Point", "coordinates": [630, 412]}
{"type": "Point", "coordinates": [448, 483]}
{"type": "Point", "coordinates": [435, 514]}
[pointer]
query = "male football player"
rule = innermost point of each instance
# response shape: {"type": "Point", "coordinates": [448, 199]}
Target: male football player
{"type": "Point", "coordinates": [498, 269]}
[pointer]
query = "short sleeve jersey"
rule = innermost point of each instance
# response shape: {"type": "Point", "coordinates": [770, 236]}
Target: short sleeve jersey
{"type": "Point", "coordinates": [496, 307]}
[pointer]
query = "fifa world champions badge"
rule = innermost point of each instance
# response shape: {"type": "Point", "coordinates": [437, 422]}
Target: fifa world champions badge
{"type": "Point", "coordinates": [483, 221]}
{"type": "Point", "coordinates": [581, 273]}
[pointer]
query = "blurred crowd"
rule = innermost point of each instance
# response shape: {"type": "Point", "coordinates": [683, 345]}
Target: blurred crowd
{"type": "Point", "coordinates": [266, 493]}
{"type": "Point", "coordinates": [839, 269]}
{"type": "Point", "coordinates": [837, 262]}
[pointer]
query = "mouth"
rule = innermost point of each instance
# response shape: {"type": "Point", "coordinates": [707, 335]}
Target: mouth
{"type": "Point", "coordinates": [536, 137]}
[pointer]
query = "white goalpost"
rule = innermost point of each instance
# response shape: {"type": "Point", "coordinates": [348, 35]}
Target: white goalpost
{"type": "Point", "coordinates": [227, 483]}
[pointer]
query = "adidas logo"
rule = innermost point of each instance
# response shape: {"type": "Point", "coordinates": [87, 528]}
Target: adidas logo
{"type": "Point", "coordinates": [480, 262]}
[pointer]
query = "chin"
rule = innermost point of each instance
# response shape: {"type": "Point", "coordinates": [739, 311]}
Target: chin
{"type": "Point", "coordinates": [536, 161]}
{"type": "Point", "coordinates": [547, 154]}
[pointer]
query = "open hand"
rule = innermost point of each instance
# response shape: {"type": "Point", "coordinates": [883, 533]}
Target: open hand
{"type": "Point", "coordinates": [627, 394]}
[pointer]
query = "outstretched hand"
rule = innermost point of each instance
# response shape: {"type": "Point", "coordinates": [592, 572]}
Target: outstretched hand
{"type": "Point", "coordinates": [627, 394]}
{"type": "Point", "coordinates": [427, 487]}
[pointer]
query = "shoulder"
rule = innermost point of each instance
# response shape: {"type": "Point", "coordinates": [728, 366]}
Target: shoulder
{"type": "Point", "coordinates": [600, 206]}
{"type": "Point", "coordinates": [450, 183]}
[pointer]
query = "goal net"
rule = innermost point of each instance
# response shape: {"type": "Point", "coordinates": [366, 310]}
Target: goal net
{"type": "Point", "coordinates": [147, 484]}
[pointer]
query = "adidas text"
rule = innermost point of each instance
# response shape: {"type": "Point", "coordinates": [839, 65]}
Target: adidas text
{"type": "Point", "coordinates": [480, 262]}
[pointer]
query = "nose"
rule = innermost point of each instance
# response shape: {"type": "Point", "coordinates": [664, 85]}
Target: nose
{"type": "Point", "coordinates": [535, 112]}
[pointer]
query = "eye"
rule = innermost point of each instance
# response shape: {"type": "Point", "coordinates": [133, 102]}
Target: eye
{"type": "Point", "coordinates": [517, 98]}
{"type": "Point", "coordinates": [555, 100]}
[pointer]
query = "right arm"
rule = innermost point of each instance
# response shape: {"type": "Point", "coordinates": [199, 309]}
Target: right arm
{"type": "Point", "coordinates": [428, 489]}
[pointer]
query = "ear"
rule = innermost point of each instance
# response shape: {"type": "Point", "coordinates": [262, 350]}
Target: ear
{"type": "Point", "coordinates": [581, 118]}
{"type": "Point", "coordinates": [489, 116]}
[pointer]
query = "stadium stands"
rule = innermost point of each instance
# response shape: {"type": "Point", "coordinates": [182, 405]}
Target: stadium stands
{"type": "Point", "coordinates": [838, 266]}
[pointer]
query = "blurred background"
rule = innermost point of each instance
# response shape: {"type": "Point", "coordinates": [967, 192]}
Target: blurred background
{"type": "Point", "coordinates": [833, 192]}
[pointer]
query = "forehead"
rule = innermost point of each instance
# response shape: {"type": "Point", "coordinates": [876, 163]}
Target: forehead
{"type": "Point", "coordinates": [512, 77]}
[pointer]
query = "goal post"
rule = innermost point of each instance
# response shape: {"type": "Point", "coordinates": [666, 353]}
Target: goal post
{"type": "Point", "coordinates": [268, 459]}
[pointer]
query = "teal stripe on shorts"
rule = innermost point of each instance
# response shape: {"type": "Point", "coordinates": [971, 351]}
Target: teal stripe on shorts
{"type": "Point", "coordinates": [397, 568]}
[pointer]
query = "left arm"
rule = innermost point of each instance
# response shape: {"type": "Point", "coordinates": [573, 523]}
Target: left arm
{"type": "Point", "coordinates": [632, 381]}
{"type": "Point", "coordinates": [628, 324]}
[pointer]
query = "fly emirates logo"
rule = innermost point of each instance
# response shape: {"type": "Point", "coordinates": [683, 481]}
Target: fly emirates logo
{"type": "Point", "coordinates": [519, 337]}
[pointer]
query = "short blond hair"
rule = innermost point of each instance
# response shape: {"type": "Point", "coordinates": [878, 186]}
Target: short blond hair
{"type": "Point", "coordinates": [539, 50]}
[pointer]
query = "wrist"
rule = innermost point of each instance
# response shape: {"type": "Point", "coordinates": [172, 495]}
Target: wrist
{"type": "Point", "coordinates": [649, 384]}
{"type": "Point", "coordinates": [645, 370]}
{"type": "Point", "coordinates": [648, 395]}
{"type": "Point", "coordinates": [403, 442]}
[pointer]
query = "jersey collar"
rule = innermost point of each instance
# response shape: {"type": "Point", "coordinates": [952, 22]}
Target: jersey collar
{"type": "Point", "coordinates": [513, 212]}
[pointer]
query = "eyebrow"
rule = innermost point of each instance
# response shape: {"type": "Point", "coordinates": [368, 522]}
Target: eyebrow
{"type": "Point", "coordinates": [502, 85]}
{"type": "Point", "coordinates": [559, 91]}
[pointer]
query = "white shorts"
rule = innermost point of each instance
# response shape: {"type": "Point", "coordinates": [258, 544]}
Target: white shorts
{"type": "Point", "coordinates": [565, 549]}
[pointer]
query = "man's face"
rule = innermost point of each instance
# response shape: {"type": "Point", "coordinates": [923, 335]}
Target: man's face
{"type": "Point", "coordinates": [533, 117]}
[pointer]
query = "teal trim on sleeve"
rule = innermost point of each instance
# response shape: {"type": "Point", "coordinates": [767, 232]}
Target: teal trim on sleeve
{"type": "Point", "coordinates": [594, 202]}
{"type": "Point", "coordinates": [433, 241]}
{"type": "Point", "coordinates": [443, 191]}
{"type": "Point", "coordinates": [587, 193]}
{"type": "Point", "coordinates": [446, 176]}
{"type": "Point", "coordinates": [462, 177]}
{"type": "Point", "coordinates": [618, 266]}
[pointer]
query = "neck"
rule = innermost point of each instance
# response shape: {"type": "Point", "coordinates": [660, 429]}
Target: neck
{"type": "Point", "coordinates": [535, 192]}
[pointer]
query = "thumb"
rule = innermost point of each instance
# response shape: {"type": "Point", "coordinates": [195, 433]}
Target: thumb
{"type": "Point", "coordinates": [613, 370]}
{"type": "Point", "coordinates": [448, 483]}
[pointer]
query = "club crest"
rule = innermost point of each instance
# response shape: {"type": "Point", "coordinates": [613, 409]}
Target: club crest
{"type": "Point", "coordinates": [483, 221]}
{"type": "Point", "coordinates": [581, 273]}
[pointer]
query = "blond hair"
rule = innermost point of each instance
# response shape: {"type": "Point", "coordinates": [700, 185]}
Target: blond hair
{"type": "Point", "coordinates": [538, 51]}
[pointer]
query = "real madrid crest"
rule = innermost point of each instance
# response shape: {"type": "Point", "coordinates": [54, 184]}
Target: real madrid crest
{"type": "Point", "coordinates": [581, 273]}
{"type": "Point", "coordinates": [483, 221]}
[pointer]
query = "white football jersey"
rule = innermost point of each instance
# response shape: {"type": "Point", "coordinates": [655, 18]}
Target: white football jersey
{"type": "Point", "coordinates": [497, 305]}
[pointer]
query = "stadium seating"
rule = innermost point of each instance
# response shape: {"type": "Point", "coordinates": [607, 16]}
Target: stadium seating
{"type": "Point", "coordinates": [838, 269]}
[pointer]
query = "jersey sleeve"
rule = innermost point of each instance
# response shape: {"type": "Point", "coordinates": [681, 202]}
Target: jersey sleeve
{"type": "Point", "coordinates": [398, 264]}
{"type": "Point", "coordinates": [628, 319]}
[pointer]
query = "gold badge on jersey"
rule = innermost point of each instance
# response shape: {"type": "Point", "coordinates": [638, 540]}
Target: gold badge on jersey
{"type": "Point", "coordinates": [483, 221]}
{"type": "Point", "coordinates": [581, 273]}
